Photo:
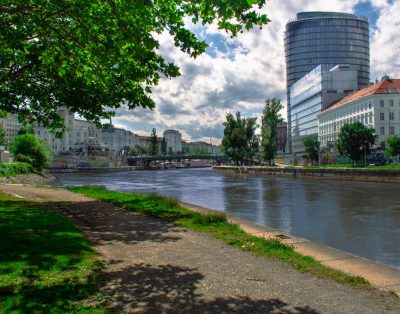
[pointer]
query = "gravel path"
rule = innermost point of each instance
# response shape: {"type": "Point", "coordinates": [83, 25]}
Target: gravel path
{"type": "Point", "coordinates": [152, 266]}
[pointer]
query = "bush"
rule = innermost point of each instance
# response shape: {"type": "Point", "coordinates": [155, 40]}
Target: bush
{"type": "Point", "coordinates": [28, 147]}
{"type": "Point", "coordinates": [8, 169]}
{"type": "Point", "coordinates": [23, 158]}
{"type": "Point", "coordinates": [209, 218]}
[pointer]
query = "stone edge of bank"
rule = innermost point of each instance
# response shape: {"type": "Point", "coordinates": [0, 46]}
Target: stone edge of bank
{"type": "Point", "coordinates": [380, 276]}
{"type": "Point", "coordinates": [365, 175]}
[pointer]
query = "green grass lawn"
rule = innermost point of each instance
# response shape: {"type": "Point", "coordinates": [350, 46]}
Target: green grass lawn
{"type": "Point", "coordinates": [46, 264]}
{"type": "Point", "coordinates": [217, 225]}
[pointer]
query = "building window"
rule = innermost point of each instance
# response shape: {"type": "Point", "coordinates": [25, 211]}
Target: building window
{"type": "Point", "coordinates": [369, 105]}
{"type": "Point", "coordinates": [391, 103]}
{"type": "Point", "coordinates": [370, 117]}
{"type": "Point", "coordinates": [391, 116]}
{"type": "Point", "coordinates": [382, 103]}
{"type": "Point", "coordinates": [391, 130]}
{"type": "Point", "coordinates": [382, 130]}
{"type": "Point", "coordinates": [382, 145]}
{"type": "Point", "coordinates": [382, 116]}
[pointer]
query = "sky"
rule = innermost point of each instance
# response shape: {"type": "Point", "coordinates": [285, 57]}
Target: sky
{"type": "Point", "coordinates": [239, 74]}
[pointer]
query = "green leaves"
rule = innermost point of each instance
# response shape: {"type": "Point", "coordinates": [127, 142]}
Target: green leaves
{"type": "Point", "coordinates": [270, 119]}
{"type": "Point", "coordinates": [355, 140]}
{"type": "Point", "coordinates": [91, 56]}
{"type": "Point", "coordinates": [311, 146]}
{"type": "Point", "coordinates": [240, 141]}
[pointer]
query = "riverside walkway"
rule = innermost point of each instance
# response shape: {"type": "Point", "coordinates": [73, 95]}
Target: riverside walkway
{"type": "Point", "coordinates": [151, 266]}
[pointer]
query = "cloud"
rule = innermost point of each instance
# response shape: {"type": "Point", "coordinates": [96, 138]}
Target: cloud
{"type": "Point", "coordinates": [385, 46]}
{"type": "Point", "coordinates": [241, 73]}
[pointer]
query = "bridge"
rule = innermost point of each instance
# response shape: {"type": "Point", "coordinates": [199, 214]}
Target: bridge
{"type": "Point", "coordinates": [132, 161]}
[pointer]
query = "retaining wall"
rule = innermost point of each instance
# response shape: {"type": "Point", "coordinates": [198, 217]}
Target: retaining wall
{"type": "Point", "coordinates": [373, 175]}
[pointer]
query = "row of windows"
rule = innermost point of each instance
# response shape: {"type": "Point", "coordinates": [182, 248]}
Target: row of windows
{"type": "Point", "coordinates": [326, 41]}
{"type": "Point", "coordinates": [293, 76]}
{"type": "Point", "coordinates": [328, 18]}
{"type": "Point", "coordinates": [331, 34]}
{"type": "Point", "coordinates": [350, 58]}
{"type": "Point", "coordinates": [325, 48]}
{"type": "Point", "coordinates": [326, 28]}
{"type": "Point", "coordinates": [334, 127]}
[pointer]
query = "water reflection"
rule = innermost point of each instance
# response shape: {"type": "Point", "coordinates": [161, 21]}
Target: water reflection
{"type": "Point", "coordinates": [361, 218]}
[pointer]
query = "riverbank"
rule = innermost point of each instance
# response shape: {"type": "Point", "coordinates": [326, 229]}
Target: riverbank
{"type": "Point", "coordinates": [31, 178]}
{"type": "Point", "coordinates": [260, 240]}
{"type": "Point", "coordinates": [346, 174]}
{"type": "Point", "coordinates": [151, 265]}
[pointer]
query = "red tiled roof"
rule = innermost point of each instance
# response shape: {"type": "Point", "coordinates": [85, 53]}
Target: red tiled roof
{"type": "Point", "coordinates": [388, 86]}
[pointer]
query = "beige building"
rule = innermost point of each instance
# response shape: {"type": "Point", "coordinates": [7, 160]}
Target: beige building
{"type": "Point", "coordinates": [11, 126]}
{"type": "Point", "coordinates": [174, 141]}
{"type": "Point", "coordinates": [117, 139]}
{"type": "Point", "coordinates": [376, 106]}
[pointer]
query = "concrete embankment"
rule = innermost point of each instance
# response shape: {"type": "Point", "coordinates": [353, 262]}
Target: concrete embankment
{"type": "Point", "coordinates": [380, 276]}
{"type": "Point", "coordinates": [91, 169]}
{"type": "Point", "coordinates": [373, 175]}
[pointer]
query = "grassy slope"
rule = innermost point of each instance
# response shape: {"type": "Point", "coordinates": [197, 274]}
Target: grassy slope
{"type": "Point", "coordinates": [217, 226]}
{"type": "Point", "coordinates": [46, 264]}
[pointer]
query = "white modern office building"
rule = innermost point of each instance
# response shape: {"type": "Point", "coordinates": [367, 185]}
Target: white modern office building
{"type": "Point", "coordinates": [376, 106]}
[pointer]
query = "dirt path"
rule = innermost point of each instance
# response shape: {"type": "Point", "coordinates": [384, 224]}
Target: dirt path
{"type": "Point", "coordinates": [152, 266]}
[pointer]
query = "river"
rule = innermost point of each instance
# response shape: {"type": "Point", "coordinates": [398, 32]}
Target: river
{"type": "Point", "coordinates": [357, 217]}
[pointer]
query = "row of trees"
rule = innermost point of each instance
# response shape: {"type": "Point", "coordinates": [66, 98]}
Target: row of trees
{"type": "Point", "coordinates": [240, 141]}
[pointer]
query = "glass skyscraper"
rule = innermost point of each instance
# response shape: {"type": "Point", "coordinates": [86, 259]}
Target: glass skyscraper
{"type": "Point", "coordinates": [326, 39]}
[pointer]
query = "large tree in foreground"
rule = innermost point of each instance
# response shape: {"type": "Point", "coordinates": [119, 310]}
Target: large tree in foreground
{"type": "Point", "coordinates": [240, 141]}
{"type": "Point", "coordinates": [355, 140]}
{"type": "Point", "coordinates": [93, 56]}
{"type": "Point", "coordinates": [269, 129]}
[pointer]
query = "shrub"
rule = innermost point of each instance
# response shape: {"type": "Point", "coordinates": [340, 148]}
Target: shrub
{"type": "Point", "coordinates": [14, 168]}
{"type": "Point", "coordinates": [209, 218]}
{"type": "Point", "coordinates": [28, 146]}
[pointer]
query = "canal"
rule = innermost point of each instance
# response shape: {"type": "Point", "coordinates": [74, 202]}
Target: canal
{"type": "Point", "coordinates": [356, 217]}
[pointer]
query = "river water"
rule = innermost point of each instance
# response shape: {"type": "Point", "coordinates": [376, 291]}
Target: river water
{"type": "Point", "coordinates": [356, 217]}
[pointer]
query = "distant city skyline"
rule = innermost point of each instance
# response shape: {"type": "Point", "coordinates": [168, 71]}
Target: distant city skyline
{"type": "Point", "coordinates": [240, 73]}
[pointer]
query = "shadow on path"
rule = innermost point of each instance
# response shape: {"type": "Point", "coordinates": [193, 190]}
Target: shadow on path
{"type": "Point", "coordinates": [105, 223]}
{"type": "Point", "coordinates": [171, 289]}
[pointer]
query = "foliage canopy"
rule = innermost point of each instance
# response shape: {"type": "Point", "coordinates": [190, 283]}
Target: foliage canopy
{"type": "Point", "coordinates": [28, 148]}
{"type": "Point", "coordinates": [355, 140]}
{"type": "Point", "coordinates": [240, 141]}
{"type": "Point", "coordinates": [269, 129]}
{"type": "Point", "coordinates": [311, 146]}
{"type": "Point", "coordinates": [393, 143]}
{"type": "Point", "coordinates": [93, 56]}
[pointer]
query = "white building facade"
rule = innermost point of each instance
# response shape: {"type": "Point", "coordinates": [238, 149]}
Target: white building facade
{"type": "Point", "coordinates": [117, 139]}
{"type": "Point", "coordinates": [376, 106]}
{"type": "Point", "coordinates": [11, 126]}
{"type": "Point", "coordinates": [174, 141]}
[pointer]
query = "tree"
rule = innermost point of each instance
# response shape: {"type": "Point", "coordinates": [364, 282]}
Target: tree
{"type": "Point", "coordinates": [355, 140]}
{"type": "Point", "coordinates": [239, 138]}
{"type": "Point", "coordinates": [28, 148]}
{"type": "Point", "coordinates": [269, 129]}
{"type": "Point", "coordinates": [393, 143]}
{"type": "Point", "coordinates": [141, 149]}
{"type": "Point", "coordinates": [164, 146]}
{"type": "Point", "coordinates": [311, 146]}
{"type": "Point", "coordinates": [153, 146]}
{"type": "Point", "coordinates": [93, 56]}
{"type": "Point", "coordinates": [3, 136]}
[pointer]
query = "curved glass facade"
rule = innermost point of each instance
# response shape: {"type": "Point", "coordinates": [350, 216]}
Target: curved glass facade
{"type": "Point", "coordinates": [327, 39]}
